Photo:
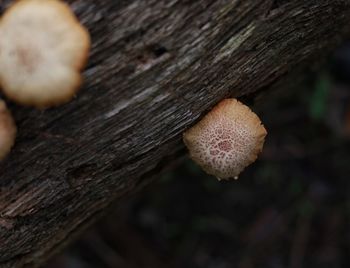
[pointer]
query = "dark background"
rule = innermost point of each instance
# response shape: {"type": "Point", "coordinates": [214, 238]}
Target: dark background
{"type": "Point", "coordinates": [289, 209]}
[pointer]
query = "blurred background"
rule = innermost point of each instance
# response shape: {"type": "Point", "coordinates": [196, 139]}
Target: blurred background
{"type": "Point", "coordinates": [289, 209]}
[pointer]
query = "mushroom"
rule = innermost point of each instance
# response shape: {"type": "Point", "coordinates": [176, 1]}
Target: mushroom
{"type": "Point", "coordinates": [43, 48]}
{"type": "Point", "coordinates": [7, 130]}
{"type": "Point", "coordinates": [226, 140]}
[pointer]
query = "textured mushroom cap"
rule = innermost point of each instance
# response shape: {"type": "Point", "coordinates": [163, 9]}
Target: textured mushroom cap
{"type": "Point", "coordinates": [226, 140]}
{"type": "Point", "coordinates": [7, 130]}
{"type": "Point", "coordinates": [43, 47]}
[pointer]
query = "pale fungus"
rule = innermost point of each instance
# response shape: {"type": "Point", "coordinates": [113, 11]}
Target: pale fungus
{"type": "Point", "coordinates": [43, 48]}
{"type": "Point", "coordinates": [7, 130]}
{"type": "Point", "coordinates": [226, 140]}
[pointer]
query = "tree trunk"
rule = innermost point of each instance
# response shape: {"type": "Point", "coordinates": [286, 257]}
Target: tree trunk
{"type": "Point", "coordinates": [156, 67]}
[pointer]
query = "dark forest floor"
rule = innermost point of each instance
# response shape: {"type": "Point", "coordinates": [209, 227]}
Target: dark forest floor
{"type": "Point", "coordinates": [290, 209]}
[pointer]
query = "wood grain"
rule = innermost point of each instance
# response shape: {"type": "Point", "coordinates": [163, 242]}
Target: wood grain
{"type": "Point", "coordinates": [156, 67]}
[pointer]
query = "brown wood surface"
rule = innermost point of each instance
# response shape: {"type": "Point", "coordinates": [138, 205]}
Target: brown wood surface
{"type": "Point", "coordinates": [156, 67]}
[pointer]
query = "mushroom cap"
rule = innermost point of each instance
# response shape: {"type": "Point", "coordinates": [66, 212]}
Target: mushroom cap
{"type": "Point", "coordinates": [43, 48]}
{"type": "Point", "coordinates": [226, 140]}
{"type": "Point", "coordinates": [8, 130]}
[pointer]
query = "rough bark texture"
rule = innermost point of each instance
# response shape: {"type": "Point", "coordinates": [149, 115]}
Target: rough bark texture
{"type": "Point", "coordinates": [156, 67]}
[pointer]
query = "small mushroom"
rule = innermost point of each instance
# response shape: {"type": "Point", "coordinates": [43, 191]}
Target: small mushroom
{"type": "Point", "coordinates": [43, 48]}
{"type": "Point", "coordinates": [226, 140]}
{"type": "Point", "coordinates": [7, 130]}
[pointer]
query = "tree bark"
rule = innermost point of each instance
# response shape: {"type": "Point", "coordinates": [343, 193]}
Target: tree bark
{"type": "Point", "coordinates": [156, 67]}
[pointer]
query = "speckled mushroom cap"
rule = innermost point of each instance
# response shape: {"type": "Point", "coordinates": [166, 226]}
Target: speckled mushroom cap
{"type": "Point", "coordinates": [226, 140]}
{"type": "Point", "coordinates": [43, 48]}
{"type": "Point", "coordinates": [7, 130]}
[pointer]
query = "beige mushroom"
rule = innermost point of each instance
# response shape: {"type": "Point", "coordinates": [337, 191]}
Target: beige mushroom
{"type": "Point", "coordinates": [7, 130]}
{"type": "Point", "coordinates": [43, 48]}
{"type": "Point", "coordinates": [226, 140]}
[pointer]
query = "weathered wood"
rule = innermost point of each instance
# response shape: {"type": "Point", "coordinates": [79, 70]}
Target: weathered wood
{"type": "Point", "coordinates": [156, 67]}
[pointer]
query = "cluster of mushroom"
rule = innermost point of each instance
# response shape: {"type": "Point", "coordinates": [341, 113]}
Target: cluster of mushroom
{"type": "Point", "coordinates": [226, 140]}
{"type": "Point", "coordinates": [43, 49]}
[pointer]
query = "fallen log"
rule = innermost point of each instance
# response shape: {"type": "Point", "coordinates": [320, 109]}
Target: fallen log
{"type": "Point", "coordinates": [155, 68]}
